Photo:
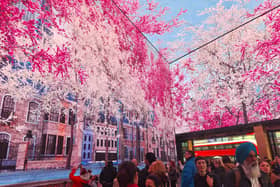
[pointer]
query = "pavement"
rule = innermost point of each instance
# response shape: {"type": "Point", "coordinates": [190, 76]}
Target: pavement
{"type": "Point", "coordinates": [17, 177]}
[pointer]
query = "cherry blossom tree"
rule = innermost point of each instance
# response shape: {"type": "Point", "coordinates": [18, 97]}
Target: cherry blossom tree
{"type": "Point", "coordinates": [223, 91]}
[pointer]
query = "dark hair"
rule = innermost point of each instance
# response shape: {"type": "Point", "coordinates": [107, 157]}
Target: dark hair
{"type": "Point", "coordinates": [126, 173]}
{"type": "Point", "coordinates": [172, 163]}
{"type": "Point", "coordinates": [226, 159]}
{"type": "Point", "coordinates": [190, 152]}
{"type": "Point", "coordinates": [155, 179]}
{"type": "Point", "coordinates": [109, 163]}
{"type": "Point", "coordinates": [150, 157]}
{"type": "Point", "coordinates": [200, 158]}
{"type": "Point", "coordinates": [83, 171]}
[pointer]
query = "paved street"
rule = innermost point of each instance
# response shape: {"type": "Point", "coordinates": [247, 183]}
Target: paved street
{"type": "Point", "coordinates": [16, 177]}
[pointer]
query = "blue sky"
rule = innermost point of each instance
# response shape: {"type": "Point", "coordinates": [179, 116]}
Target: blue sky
{"type": "Point", "coordinates": [191, 17]}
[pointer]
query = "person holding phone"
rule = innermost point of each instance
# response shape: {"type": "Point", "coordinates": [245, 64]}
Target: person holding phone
{"type": "Point", "coordinates": [202, 177]}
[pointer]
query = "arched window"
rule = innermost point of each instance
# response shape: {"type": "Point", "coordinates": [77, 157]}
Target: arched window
{"type": "Point", "coordinates": [33, 112]}
{"type": "Point", "coordinates": [54, 114]}
{"type": "Point", "coordinates": [72, 117]}
{"type": "Point", "coordinates": [7, 107]}
{"type": "Point", "coordinates": [4, 145]}
{"type": "Point", "coordinates": [62, 116]}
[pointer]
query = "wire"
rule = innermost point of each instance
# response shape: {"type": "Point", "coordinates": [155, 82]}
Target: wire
{"type": "Point", "coordinates": [140, 31]}
{"type": "Point", "coordinates": [207, 43]}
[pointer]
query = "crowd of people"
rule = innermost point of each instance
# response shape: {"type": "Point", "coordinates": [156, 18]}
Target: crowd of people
{"type": "Point", "coordinates": [247, 171]}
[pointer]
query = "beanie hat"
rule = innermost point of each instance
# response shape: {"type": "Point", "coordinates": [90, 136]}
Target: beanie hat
{"type": "Point", "coordinates": [243, 151]}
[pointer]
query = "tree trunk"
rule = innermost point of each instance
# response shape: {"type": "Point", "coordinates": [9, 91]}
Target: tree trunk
{"type": "Point", "coordinates": [138, 143]}
{"type": "Point", "coordinates": [68, 163]}
{"type": "Point", "coordinates": [121, 151]}
{"type": "Point", "coordinates": [245, 112]}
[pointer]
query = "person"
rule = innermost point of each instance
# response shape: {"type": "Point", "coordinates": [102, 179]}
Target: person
{"type": "Point", "coordinates": [135, 162]}
{"type": "Point", "coordinates": [149, 159]}
{"type": "Point", "coordinates": [247, 173]}
{"type": "Point", "coordinates": [127, 175]}
{"type": "Point", "coordinates": [107, 175]}
{"type": "Point", "coordinates": [189, 170]}
{"type": "Point", "coordinates": [202, 177]}
{"type": "Point", "coordinates": [152, 181]}
{"type": "Point", "coordinates": [276, 165]}
{"type": "Point", "coordinates": [265, 169]}
{"type": "Point", "coordinates": [172, 173]}
{"type": "Point", "coordinates": [82, 180]}
{"type": "Point", "coordinates": [158, 168]}
{"type": "Point", "coordinates": [219, 169]}
{"type": "Point", "coordinates": [228, 165]}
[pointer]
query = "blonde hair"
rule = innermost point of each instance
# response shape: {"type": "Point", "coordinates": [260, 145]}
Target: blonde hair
{"type": "Point", "coordinates": [157, 167]}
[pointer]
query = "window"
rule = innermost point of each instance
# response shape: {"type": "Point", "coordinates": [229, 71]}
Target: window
{"type": "Point", "coordinates": [97, 143]}
{"type": "Point", "coordinates": [112, 143]}
{"type": "Point", "coordinates": [62, 116]}
{"type": "Point", "coordinates": [59, 145]}
{"type": "Point", "coordinates": [89, 138]}
{"type": "Point", "coordinates": [108, 143]}
{"type": "Point", "coordinates": [125, 152]}
{"type": "Point", "coordinates": [87, 121]}
{"type": "Point", "coordinates": [98, 129]}
{"type": "Point", "coordinates": [116, 132]}
{"type": "Point", "coordinates": [101, 143]}
{"type": "Point", "coordinates": [51, 144]}
{"type": "Point", "coordinates": [115, 143]}
{"type": "Point", "coordinates": [85, 137]}
{"type": "Point", "coordinates": [54, 115]}
{"type": "Point", "coordinates": [33, 112]}
{"type": "Point", "coordinates": [125, 135]}
{"type": "Point", "coordinates": [43, 143]}
{"type": "Point", "coordinates": [72, 117]}
{"type": "Point", "coordinates": [46, 116]}
{"type": "Point", "coordinates": [68, 145]}
{"type": "Point", "coordinates": [7, 107]}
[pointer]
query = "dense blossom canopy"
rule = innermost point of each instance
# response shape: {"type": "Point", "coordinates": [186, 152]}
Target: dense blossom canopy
{"type": "Point", "coordinates": [91, 49]}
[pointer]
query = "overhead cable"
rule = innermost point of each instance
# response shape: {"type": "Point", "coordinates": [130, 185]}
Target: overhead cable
{"type": "Point", "coordinates": [220, 36]}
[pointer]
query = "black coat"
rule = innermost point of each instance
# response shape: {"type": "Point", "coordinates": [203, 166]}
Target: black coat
{"type": "Point", "coordinates": [200, 181]}
{"type": "Point", "coordinates": [244, 181]}
{"type": "Point", "coordinates": [143, 174]}
{"type": "Point", "coordinates": [107, 176]}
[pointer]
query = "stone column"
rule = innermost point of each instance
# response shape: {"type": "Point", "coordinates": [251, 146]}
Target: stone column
{"type": "Point", "coordinates": [262, 141]}
{"type": "Point", "coordinates": [21, 155]}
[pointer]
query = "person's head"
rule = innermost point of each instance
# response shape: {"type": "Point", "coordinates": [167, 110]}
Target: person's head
{"type": "Point", "coordinates": [188, 154]}
{"type": "Point", "coordinates": [149, 158]}
{"type": "Point", "coordinates": [265, 166]}
{"type": "Point", "coordinates": [152, 181]}
{"type": "Point", "coordinates": [127, 174]}
{"type": "Point", "coordinates": [277, 159]}
{"type": "Point", "coordinates": [217, 161]}
{"type": "Point", "coordinates": [201, 165]}
{"type": "Point", "coordinates": [172, 164]}
{"type": "Point", "coordinates": [135, 162]}
{"type": "Point", "coordinates": [157, 168]}
{"type": "Point", "coordinates": [246, 156]}
{"type": "Point", "coordinates": [226, 159]}
{"type": "Point", "coordinates": [109, 163]}
{"type": "Point", "coordinates": [84, 174]}
{"type": "Point", "coordinates": [83, 171]}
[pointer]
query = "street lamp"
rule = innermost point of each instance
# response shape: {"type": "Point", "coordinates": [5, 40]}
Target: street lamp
{"type": "Point", "coordinates": [27, 138]}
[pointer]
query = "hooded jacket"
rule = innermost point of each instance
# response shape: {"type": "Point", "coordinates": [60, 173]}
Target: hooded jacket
{"type": "Point", "coordinates": [77, 180]}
